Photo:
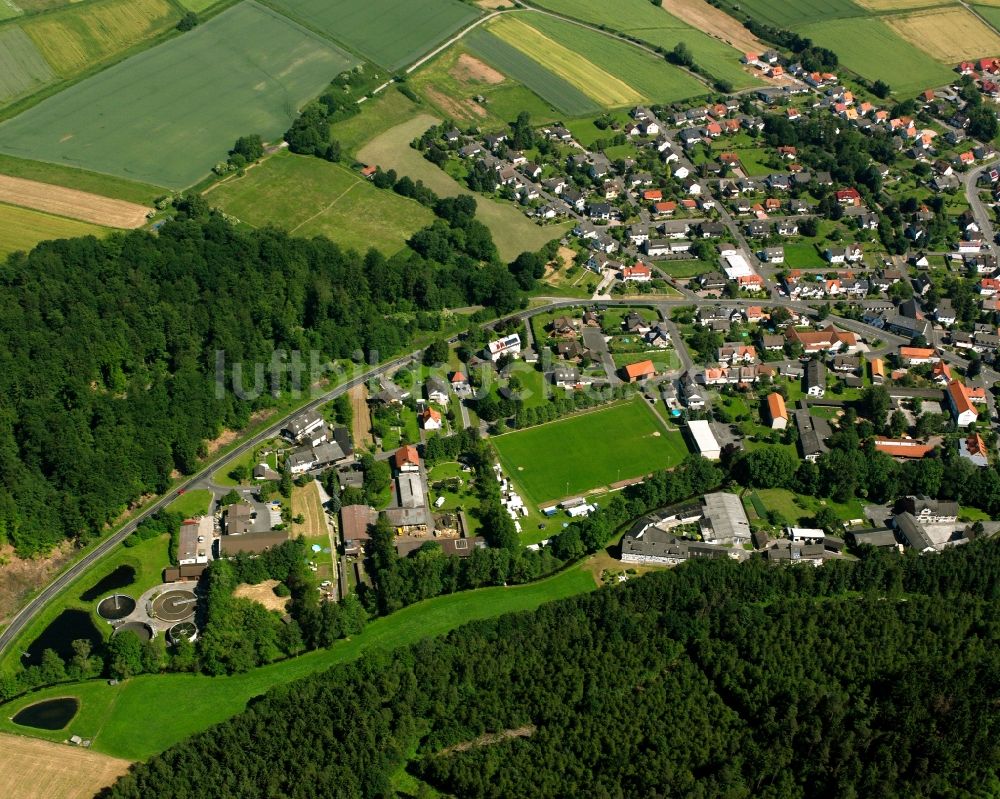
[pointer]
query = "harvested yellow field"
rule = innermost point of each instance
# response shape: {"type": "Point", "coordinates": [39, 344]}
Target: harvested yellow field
{"type": "Point", "coordinates": [699, 14]}
{"type": "Point", "coordinates": [72, 203]}
{"type": "Point", "coordinates": [78, 37]}
{"type": "Point", "coordinates": [948, 34]}
{"type": "Point", "coordinates": [306, 503]}
{"type": "Point", "coordinates": [34, 769]}
{"type": "Point", "coordinates": [572, 67]}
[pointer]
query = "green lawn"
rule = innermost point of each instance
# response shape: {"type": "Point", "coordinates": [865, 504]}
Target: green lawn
{"type": "Point", "coordinates": [389, 33]}
{"type": "Point", "coordinates": [686, 269]}
{"type": "Point", "coordinates": [147, 714]}
{"type": "Point", "coordinates": [664, 360]}
{"type": "Point", "coordinates": [588, 451]}
{"type": "Point", "coordinates": [166, 115]}
{"type": "Point", "coordinates": [874, 51]}
{"type": "Point", "coordinates": [312, 197]}
{"type": "Point", "coordinates": [512, 231]}
{"type": "Point", "coordinates": [798, 508]}
{"type": "Point", "coordinates": [192, 503]}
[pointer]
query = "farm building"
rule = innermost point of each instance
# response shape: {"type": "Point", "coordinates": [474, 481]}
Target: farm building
{"type": "Point", "coordinates": [704, 440]}
{"type": "Point", "coordinates": [776, 411]}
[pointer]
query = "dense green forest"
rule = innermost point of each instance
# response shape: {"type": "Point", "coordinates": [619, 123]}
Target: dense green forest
{"type": "Point", "coordinates": [108, 354]}
{"type": "Point", "coordinates": [715, 679]}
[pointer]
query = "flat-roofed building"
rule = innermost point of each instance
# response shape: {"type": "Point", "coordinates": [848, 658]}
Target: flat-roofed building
{"type": "Point", "coordinates": [724, 520]}
{"type": "Point", "coordinates": [704, 440]}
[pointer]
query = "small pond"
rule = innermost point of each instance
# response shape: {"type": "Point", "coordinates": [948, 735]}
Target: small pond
{"type": "Point", "coordinates": [60, 634]}
{"type": "Point", "coordinates": [121, 577]}
{"type": "Point", "coordinates": [52, 714]}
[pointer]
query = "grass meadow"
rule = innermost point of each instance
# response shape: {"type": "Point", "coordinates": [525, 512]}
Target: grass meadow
{"type": "Point", "coordinates": [191, 503]}
{"type": "Point", "coordinates": [380, 113]}
{"type": "Point", "coordinates": [143, 716]}
{"type": "Point", "coordinates": [71, 178]}
{"type": "Point", "coordinates": [23, 228]}
{"type": "Point", "coordinates": [167, 115]}
{"type": "Point", "coordinates": [23, 70]}
{"type": "Point", "coordinates": [311, 197]}
{"type": "Point", "coordinates": [588, 451]}
{"type": "Point", "coordinates": [387, 32]}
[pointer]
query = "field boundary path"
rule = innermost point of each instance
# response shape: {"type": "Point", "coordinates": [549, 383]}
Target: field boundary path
{"type": "Point", "coordinates": [72, 203]}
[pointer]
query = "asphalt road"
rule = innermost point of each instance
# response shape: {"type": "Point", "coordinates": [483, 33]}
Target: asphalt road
{"type": "Point", "coordinates": [53, 589]}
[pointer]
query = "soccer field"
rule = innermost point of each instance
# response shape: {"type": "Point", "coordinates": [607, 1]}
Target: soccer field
{"type": "Point", "coordinates": [388, 32]}
{"type": "Point", "coordinates": [594, 449]}
{"type": "Point", "coordinates": [168, 114]}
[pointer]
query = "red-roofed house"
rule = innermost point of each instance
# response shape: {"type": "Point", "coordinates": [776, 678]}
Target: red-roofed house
{"type": "Point", "coordinates": [915, 356]}
{"type": "Point", "coordinates": [902, 447]}
{"type": "Point", "coordinates": [459, 382]}
{"type": "Point", "coordinates": [966, 68]}
{"type": "Point", "coordinates": [941, 373]}
{"type": "Point", "coordinates": [665, 208]}
{"type": "Point", "coordinates": [827, 340]}
{"type": "Point", "coordinates": [989, 286]}
{"type": "Point", "coordinates": [652, 194]}
{"type": "Point", "coordinates": [430, 419]}
{"type": "Point", "coordinates": [849, 197]}
{"type": "Point", "coordinates": [407, 459]}
{"type": "Point", "coordinates": [639, 371]}
{"type": "Point", "coordinates": [640, 273]}
{"type": "Point", "coordinates": [962, 409]}
{"type": "Point", "coordinates": [777, 411]}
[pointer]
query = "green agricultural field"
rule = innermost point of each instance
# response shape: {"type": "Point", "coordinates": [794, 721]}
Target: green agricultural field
{"type": "Point", "coordinates": [451, 82]}
{"type": "Point", "coordinates": [643, 20]}
{"type": "Point", "coordinates": [9, 9]}
{"type": "Point", "coordinates": [22, 68]}
{"type": "Point", "coordinates": [22, 228]}
{"type": "Point", "coordinates": [310, 197]}
{"type": "Point", "coordinates": [651, 76]}
{"type": "Point", "coordinates": [191, 503]}
{"type": "Point", "coordinates": [198, 5]}
{"type": "Point", "coordinates": [132, 122]}
{"type": "Point", "coordinates": [77, 37]}
{"type": "Point", "coordinates": [587, 451]}
{"type": "Point", "coordinates": [875, 52]}
{"type": "Point", "coordinates": [143, 716]}
{"type": "Point", "coordinates": [990, 13]}
{"type": "Point", "coordinates": [512, 231]}
{"type": "Point", "coordinates": [792, 14]}
{"type": "Point", "coordinates": [562, 94]}
{"type": "Point", "coordinates": [387, 32]}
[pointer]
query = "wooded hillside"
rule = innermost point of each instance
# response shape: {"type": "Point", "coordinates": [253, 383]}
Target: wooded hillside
{"type": "Point", "coordinates": [108, 353]}
{"type": "Point", "coordinates": [715, 679]}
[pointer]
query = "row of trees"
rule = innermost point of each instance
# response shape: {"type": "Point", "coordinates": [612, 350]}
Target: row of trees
{"type": "Point", "coordinates": [712, 679]}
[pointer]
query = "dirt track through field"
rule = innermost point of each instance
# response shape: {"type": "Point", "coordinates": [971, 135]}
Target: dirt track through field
{"type": "Point", "coordinates": [71, 203]}
{"type": "Point", "coordinates": [361, 419]}
{"type": "Point", "coordinates": [699, 14]}
{"type": "Point", "coordinates": [34, 769]}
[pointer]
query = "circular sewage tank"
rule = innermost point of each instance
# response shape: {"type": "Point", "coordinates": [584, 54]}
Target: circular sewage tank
{"type": "Point", "coordinates": [182, 631]}
{"type": "Point", "coordinates": [116, 606]}
{"type": "Point", "coordinates": [143, 631]}
{"type": "Point", "coordinates": [174, 605]}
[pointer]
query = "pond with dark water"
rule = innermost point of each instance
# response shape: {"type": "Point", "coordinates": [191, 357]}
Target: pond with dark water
{"type": "Point", "coordinates": [52, 714]}
{"type": "Point", "coordinates": [122, 577]}
{"type": "Point", "coordinates": [67, 627]}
